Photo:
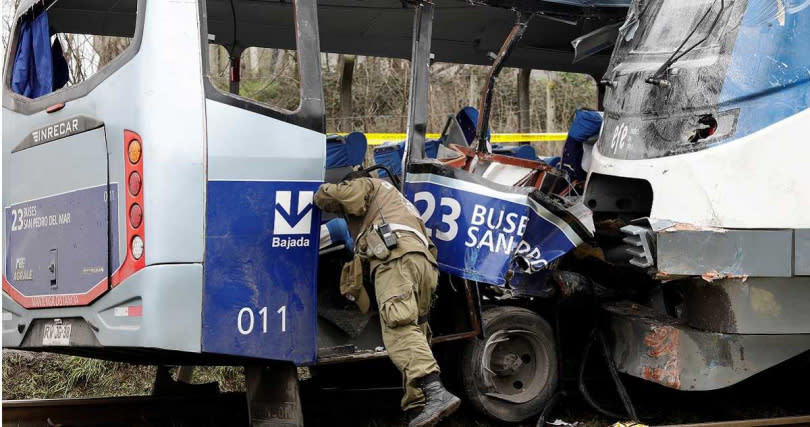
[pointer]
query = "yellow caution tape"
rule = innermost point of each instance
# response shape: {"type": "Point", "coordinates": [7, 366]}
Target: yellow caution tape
{"type": "Point", "coordinates": [498, 138]}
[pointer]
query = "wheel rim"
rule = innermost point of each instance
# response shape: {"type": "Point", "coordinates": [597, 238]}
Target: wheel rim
{"type": "Point", "coordinates": [514, 365]}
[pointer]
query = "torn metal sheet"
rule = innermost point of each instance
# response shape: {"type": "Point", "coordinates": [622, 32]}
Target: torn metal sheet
{"type": "Point", "coordinates": [481, 229]}
{"type": "Point", "coordinates": [595, 41]}
{"type": "Point", "coordinates": [713, 275]}
{"type": "Point", "coordinates": [655, 347]}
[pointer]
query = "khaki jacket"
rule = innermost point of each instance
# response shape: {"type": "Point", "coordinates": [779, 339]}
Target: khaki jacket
{"type": "Point", "coordinates": [364, 202]}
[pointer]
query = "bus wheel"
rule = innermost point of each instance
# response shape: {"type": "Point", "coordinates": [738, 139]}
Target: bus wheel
{"type": "Point", "coordinates": [511, 374]}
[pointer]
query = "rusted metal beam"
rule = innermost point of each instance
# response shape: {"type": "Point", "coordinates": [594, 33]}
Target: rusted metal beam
{"type": "Point", "coordinates": [485, 106]}
{"type": "Point", "coordinates": [780, 421]}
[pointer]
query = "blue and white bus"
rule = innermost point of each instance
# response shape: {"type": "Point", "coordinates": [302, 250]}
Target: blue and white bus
{"type": "Point", "coordinates": [700, 164]}
{"type": "Point", "coordinates": [156, 215]}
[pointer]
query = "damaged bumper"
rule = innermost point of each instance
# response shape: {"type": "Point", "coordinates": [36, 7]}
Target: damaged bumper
{"type": "Point", "coordinates": [673, 250]}
{"type": "Point", "coordinates": [657, 348]}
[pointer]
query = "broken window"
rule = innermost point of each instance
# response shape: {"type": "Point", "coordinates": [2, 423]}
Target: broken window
{"type": "Point", "coordinates": [64, 43]}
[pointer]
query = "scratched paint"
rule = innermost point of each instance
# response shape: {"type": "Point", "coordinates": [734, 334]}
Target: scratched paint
{"type": "Point", "coordinates": [662, 346]}
{"type": "Point", "coordinates": [752, 70]}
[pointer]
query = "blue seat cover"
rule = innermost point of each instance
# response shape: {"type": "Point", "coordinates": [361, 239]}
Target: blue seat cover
{"type": "Point", "coordinates": [356, 146]}
{"type": "Point", "coordinates": [339, 233]}
{"type": "Point", "coordinates": [586, 124]}
{"type": "Point", "coordinates": [349, 150]}
{"type": "Point", "coordinates": [390, 154]}
{"type": "Point", "coordinates": [32, 72]}
{"type": "Point", "coordinates": [520, 151]}
{"type": "Point", "coordinates": [336, 153]}
{"type": "Point", "coordinates": [552, 161]}
{"type": "Point", "coordinates": [467, 119]}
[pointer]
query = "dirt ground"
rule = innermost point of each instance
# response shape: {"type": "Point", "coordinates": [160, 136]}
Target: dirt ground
{"type": "Point", "coordinates": [781, 391]}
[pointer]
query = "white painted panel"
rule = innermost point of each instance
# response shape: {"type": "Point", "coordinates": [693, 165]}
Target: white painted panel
{"type": "Point", "coordinates": [758, 181]}
{"type": "Point", "coordinates": [247, 146]}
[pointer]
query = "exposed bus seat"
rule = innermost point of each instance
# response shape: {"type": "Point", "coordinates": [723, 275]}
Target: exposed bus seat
{"type": "Point", "coordinates": [520, 151]}
{"type": "Point", "coordinates": [459, 130]}
{"type": "Point", "coordinates": [552, 161]}
{"type": "Point", "coordinates": [467, 119]}
{"type": "Point", "coordinates": [335, 236]}
{"type": "Point", "coordinates": [343, 154]}
{"type": "Point", "coordinates": [390, 154]}
{"type": "Point", "coordinates": [586, 125]}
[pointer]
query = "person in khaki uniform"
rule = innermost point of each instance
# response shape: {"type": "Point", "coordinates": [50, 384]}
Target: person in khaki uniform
{"type": "Point", "coordinates": [405, 277]}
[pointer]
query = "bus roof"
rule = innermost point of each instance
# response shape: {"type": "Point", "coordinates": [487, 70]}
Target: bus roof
{"type": "Point", "coordinates": [462, 32]}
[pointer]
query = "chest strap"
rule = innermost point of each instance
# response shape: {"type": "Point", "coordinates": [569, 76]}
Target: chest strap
{"type": "Point", "coordinates": [400, 227]}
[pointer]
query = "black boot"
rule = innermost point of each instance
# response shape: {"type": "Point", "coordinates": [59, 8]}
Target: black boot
{"type": "Point", "coordinates": [439, 403]}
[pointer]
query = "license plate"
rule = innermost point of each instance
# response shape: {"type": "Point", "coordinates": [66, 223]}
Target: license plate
{"type": "Point", "coordinates": [56, 334]}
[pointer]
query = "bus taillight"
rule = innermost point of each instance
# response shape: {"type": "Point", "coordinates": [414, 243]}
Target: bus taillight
{"type": "Point", "coordinates": [135, 224]}
{"type": "Point", "coordinates": [134, 151]}
{"type": "Point", "coordinates": [134, 183]}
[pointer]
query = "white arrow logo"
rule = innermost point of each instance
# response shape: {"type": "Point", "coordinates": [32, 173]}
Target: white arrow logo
{"type": "Point", "coordinates": [293, 212]}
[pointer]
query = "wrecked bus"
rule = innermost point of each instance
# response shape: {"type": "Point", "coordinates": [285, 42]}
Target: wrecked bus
{"type": "Point", "coordinates": [699, 189]}
{"type": "Point", "coordinates": [154, 216]}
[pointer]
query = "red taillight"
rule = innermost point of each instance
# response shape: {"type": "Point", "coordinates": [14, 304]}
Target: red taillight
{"type": "Point", "coordinates": [133, 171]}
{"type": "Point", "coordinates": [134, 183]}
{"type": "Point", "coordinates": [54, 108]}
{"type": "Point", "coordinates": [135, 215]}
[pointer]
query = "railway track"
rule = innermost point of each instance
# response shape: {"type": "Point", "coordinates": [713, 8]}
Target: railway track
{"type": "Point", "coordinates": [230, 409]}
{"type": "Point", "coordinates": [225, 409]}
{"type": "Point", "coordinates": [802, 421]}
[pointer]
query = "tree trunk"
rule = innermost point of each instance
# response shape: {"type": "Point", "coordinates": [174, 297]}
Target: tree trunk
{"type": "Point", "coordinates": [280, 62]}
{"type": "Point", "coordinates": [472, 99]}
{"type": "Point", "coordinates": [345, 113]}
{"type": "Point", "coordinates": [523, 100]}
{"type": "Point", "coordinates": [550, 110]}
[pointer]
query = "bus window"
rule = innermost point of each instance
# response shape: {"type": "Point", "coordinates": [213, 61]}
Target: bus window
{"type": "Point", "coordinates": [81, 38]}
{"type": "Point", "coordinates": [87, 54]}
{"type": "Point", "coordinates": [266, 75]}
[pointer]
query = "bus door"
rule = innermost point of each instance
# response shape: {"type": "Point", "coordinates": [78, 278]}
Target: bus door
{"type": "Point", "coordinates": [266, 156]}
{"type": "Point", "coordinates": [57, 213]}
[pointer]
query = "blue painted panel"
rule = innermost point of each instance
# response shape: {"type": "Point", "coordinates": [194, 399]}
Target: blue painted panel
{"type": "Point", "coordinates": [74, 224]}
{"type": "Point", "coordinates": [261, 263]}
{"type": "Point", "coordinates": [477, 234]}
{"type": "Point", "coordinates": [768, 77]}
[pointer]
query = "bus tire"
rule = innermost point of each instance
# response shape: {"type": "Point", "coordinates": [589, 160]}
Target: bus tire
{"type": "Point", "coordinates": [511, 374]}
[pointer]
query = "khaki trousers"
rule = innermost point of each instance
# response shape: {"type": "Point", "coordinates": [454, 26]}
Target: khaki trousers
{"type": "Point", "coordinates": [404, 288]}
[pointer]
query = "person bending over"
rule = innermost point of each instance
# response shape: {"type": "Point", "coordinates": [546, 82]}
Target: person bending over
{"type": "Point", "coordinates": [391, 239]}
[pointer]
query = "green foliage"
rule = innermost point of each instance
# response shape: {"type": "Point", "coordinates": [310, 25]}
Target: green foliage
{"type": "Point", "coordinates": [43, 376]}
{"type": "Point", "coordinates": [33, 375]}
{"type": "Point", "coordinates": [380, 91]}
{"type": "Point", "coordinates": [229, 378]}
